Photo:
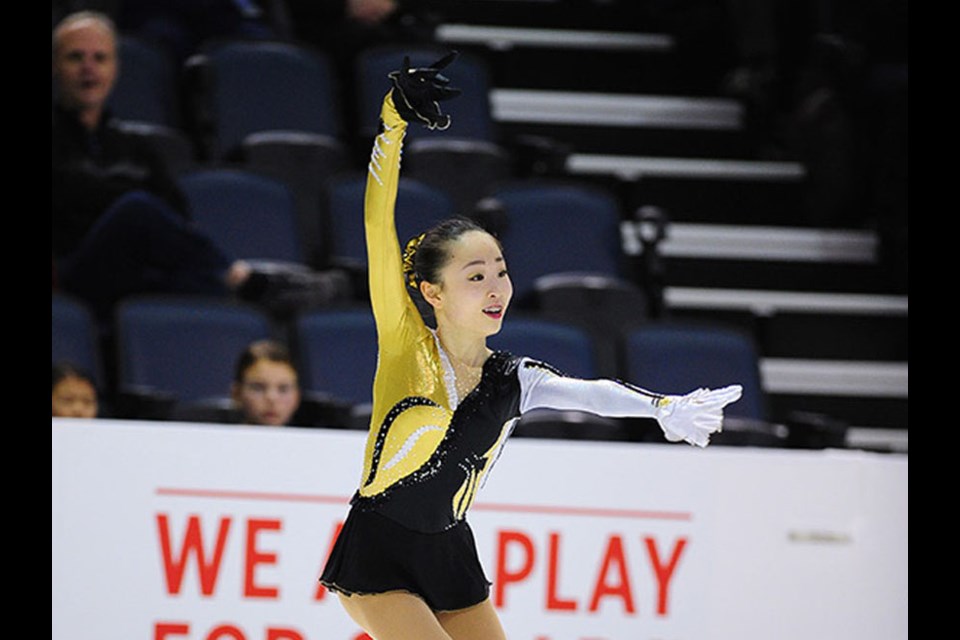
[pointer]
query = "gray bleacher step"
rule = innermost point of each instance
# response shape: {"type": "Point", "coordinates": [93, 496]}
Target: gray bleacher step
{"type": "Point", "coordinates": [506, 37]}
{"type": "Point", "coordinates": [816, 377]}
{"type": "Point", "coordinates": [634, 168]}
{"type": "Point", "coordinates": [835, 278]}
{"type": "Point", "coordinates": [883, 440]}
{"type": "Point", "coordinates": [860, 394]}
{"type": "Point", "coordinates": [790, 258]}
{"type": "Point", "coordinates": [608, 108]}
{"type": "Point", "coordinates": [708, 190]}
{"type": "Point", "coordinates": [757, 242]}
{"type": "Point", "coordinates": [807, 325]}
{"type": "Point", "coordinates": [772, 302]}
{"type": "Point", "coordinates": [609, 55]}
{"type": "Point", "coordinates": [594, 124]}
{"type": "Point", "coordinates": [554, 14]}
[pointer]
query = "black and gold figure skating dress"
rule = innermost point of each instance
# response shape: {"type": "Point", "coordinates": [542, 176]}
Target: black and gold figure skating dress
{"type": "Point", "coordinates": [428, 450]}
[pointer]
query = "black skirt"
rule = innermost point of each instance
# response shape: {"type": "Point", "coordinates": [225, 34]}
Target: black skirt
{"type": "Point", "coordinates": [374, 554]}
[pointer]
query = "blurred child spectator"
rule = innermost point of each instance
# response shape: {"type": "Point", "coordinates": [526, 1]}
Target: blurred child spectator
{"type": "Point", "coordinates": [266, 387]}
{"type": "Point", "coordinates": [74, 392]}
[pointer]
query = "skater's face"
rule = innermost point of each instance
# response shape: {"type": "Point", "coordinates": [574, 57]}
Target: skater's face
{"type": "Point", "coordinates": [474, 289]}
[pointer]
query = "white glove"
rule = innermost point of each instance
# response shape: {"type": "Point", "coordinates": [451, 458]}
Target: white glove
{"type": "Point", "coordinates": [695, 416]}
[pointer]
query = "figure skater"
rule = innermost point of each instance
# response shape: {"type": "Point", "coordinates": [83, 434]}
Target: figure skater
{"type": "Point", "coordinates": [405, 565]}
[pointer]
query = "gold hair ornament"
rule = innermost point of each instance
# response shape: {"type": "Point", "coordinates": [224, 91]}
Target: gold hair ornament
{"type": "Point", "coordinates": [409, 252]}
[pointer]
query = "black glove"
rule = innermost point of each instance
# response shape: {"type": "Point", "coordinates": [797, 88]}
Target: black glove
{"type": "Point", "coordinates": [418, 91]}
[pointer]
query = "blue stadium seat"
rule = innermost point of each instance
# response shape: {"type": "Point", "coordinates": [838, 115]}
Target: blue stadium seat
{"type": "Point", "coordinates": [676, 358]}
{"type": "Point", "coordinates": [75, 336]}
{"type": "Point", "coordinates": [419, 206]}
{"type": "Point", "coordinates": [250, 86]}
{"type": "Point", "coordinates": [558, 227]}
{"type": "Point", "coordinates": [337, 353]}
{"type": "Point", "coordinates": [183, 347]}
{"type": "Point", "coordinates": [147, 88]}
{"type": "Point", "coordinates": [250, 216]}
{"type": "Point", "coordinates": [566, 347]}
{"type": "Point", "coordinates": [466, 170]}
{"type": "Point", "coordinates": [571, 350]}
{"type": "Point", "coordinates": [305, 162]}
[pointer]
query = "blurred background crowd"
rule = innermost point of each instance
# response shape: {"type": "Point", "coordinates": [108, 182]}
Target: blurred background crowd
{"type": "Point", "coordinates": [727, 174]}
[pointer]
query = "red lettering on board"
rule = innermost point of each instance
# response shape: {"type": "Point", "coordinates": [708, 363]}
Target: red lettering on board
{"type": "Point", "coordinates": [164, 630]}
{"type": "Point", "coordinates": [256, 557]}
{"type": "Point", "coordinates": [663, 573]}
{"type": "Point", "coordinates": [174, 567]}
{"type": "Point", "coordinates": [226, 631]}
{"type": "Point", "coordinates": [555, 602]}
{"type": "Point", "coordinates": [613, 558]}
{"type": "Point", "coordinates": [504, 575]}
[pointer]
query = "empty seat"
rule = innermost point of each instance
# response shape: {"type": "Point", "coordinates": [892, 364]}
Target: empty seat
{"type": "Point", "coordinates": [556, 227]}
{"type": "Point", "coordinates": [304, 162]}
{"type": "Point", "coordinates": [419, 206]}
{"type": "Point", "coordinates": [75, 335]}
{"type": "Point", "coordinates": [184, 348]}
{"type": "Point", "coordinates": [571, 350]}
{"type": "Point", "coordinates": [249, 86]}
{"type": "Point", "coordinates": [677, 358]}
{"type": "Point", "coordinates": [606, 307]}
{"type": "Point", "coordinates": [467, 170]}
{"type": "Point", "coordinates": [147, 88]}
{"type": "Point", "coordinates": [566, 347]}
{"type": "Point", "coordinates": [337, 354]}
{"type": "Point", "coordinates": [249, 215]}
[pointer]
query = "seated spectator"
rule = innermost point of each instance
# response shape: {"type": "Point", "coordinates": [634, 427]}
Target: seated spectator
{"type": "Point", "coordinates": [74, 392]}
{"type": "Point", "coordinates": [266, 387]}
{"type": "Point", "coordinates": [121, 225]}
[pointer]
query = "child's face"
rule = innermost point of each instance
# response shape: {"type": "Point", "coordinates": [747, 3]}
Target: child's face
{"type": "Point", "coordinates": [268, 394]}
{"type": "Point", "coordinates": [74, 398]}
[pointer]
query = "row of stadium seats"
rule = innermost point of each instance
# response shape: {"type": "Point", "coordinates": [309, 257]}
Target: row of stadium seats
{"type": "Point", "coordinates": [179, 352]}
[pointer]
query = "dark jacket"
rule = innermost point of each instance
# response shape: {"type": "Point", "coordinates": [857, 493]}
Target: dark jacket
{"type": "Point", "coordinates": [91, 169]}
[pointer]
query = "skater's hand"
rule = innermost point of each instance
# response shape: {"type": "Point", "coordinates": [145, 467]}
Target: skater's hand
{"type": "Point", "coordinates": [693, 417]}
{"type": "Point", "coordinates": [418, 92]}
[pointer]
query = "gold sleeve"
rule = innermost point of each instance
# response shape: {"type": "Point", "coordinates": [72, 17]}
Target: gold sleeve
{"type": "Point", "coordinates": [392, 306]}
{"type": "Point", "coordinates": [411, 407]}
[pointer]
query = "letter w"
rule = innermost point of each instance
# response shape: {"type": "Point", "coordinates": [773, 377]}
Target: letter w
{"type": "Point", "coordinates": [192, 544]}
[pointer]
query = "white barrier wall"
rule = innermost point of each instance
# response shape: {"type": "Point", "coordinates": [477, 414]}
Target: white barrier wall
{"type": "Point", "coordinates": [171, 531]}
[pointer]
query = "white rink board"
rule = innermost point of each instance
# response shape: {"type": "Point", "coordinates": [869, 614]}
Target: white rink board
{"type": "Point", "coordinates": [173, 531]}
